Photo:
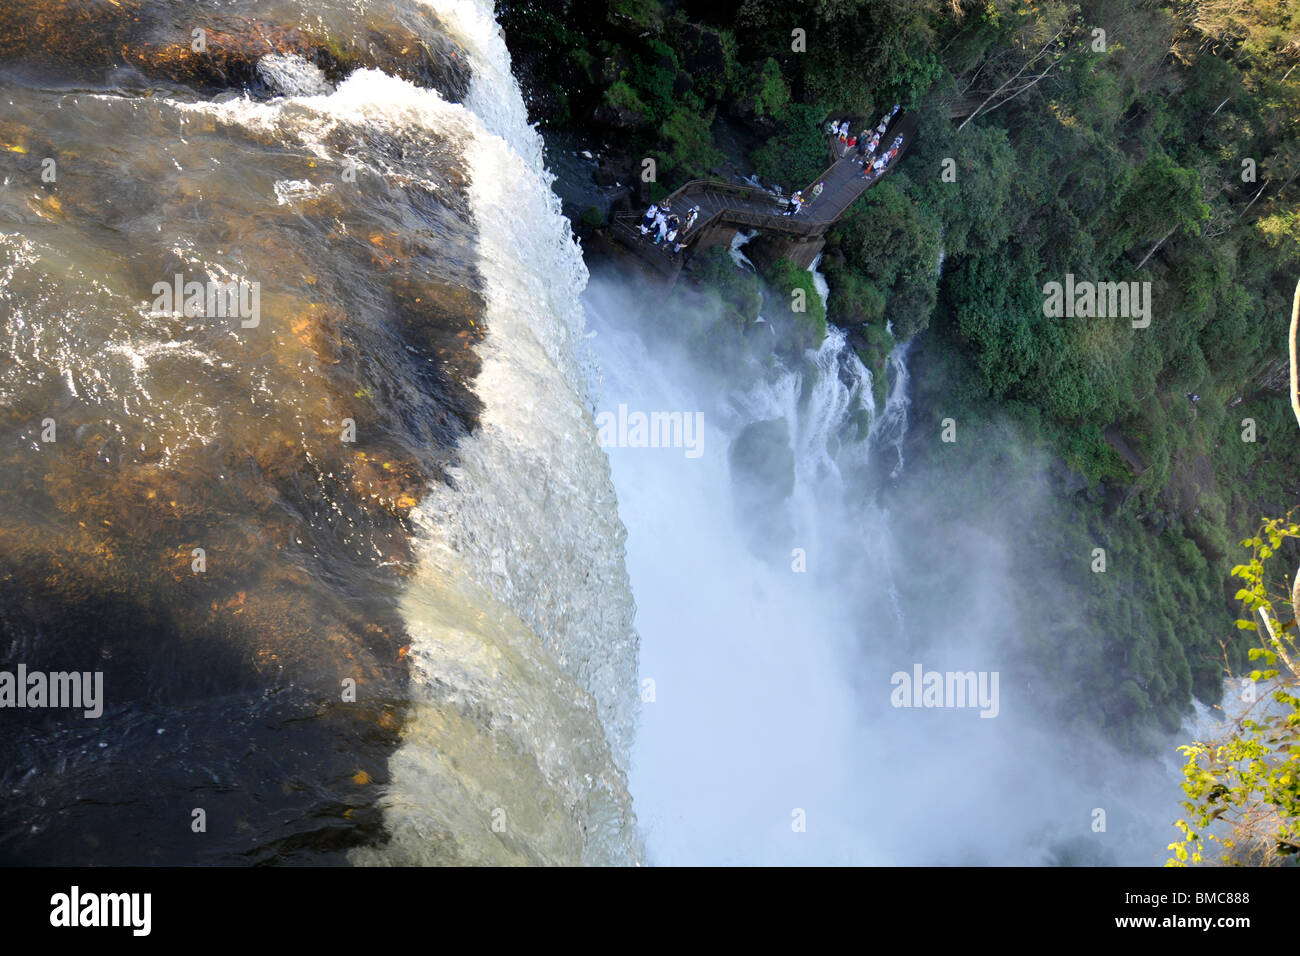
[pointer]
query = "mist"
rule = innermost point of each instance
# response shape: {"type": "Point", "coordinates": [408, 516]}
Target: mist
{"type": "Point", "coordinates": [781, 600]}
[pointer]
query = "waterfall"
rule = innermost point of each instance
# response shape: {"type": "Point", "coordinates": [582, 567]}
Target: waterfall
{"type": "Point", "coordinates": [408, 599]}
{"type": "Point", "coordinates": [523, 545]}
{"type": "Point", "coordinates": [819, 281]}
{"type": "Point", "coordinates": [734, 250]}
{"type": "Point", "coordinates": [777, 602]}
{"type": "Point", "coordinates": [745, 657]}
{"type": "Point", "coordinates": [890, 427]}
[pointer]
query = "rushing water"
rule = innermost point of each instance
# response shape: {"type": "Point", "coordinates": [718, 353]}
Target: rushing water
{"type": "Point", "coordinates": [348, 559]}
{"type": "Point", "coordinates": [529, 516]}
{"type": "Point", "coordinates": [778, 593]}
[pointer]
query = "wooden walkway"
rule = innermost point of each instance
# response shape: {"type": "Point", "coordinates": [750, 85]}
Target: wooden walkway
{"type": "Point", "coordinates": [725, 205]}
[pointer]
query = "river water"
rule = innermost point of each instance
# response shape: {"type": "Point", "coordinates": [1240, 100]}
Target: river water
{"type": "Point", "coordinates": [313, 545]}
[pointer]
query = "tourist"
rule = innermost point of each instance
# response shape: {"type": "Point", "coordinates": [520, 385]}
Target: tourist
{"type": "Point", "coordinates": [649, 219]}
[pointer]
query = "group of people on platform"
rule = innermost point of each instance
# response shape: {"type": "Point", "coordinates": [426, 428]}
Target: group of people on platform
{"type": "Point", "coordinates": [866, 144]}
{"type": "Point", "coordinates": [885, 158]}
{"type": "Point", "coordinates": [666, 226]}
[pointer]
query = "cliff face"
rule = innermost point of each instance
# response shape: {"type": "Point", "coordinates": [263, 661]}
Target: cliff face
{"type": "Point", "coordinates": [1275, 376]}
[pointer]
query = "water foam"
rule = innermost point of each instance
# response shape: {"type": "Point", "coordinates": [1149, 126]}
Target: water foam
{"type": "Point", "coordinates": [521, 613]}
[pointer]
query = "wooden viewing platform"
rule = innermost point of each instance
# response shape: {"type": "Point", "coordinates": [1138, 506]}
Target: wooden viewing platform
{"type": "Point", "coordinates": [726, 208]}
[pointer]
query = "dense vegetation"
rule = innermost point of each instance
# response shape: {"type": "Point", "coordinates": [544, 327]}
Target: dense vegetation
{"type": "Point", "coordinates": [1112, 140]}
{"type": "Point", "coordinates": [1243, 788]}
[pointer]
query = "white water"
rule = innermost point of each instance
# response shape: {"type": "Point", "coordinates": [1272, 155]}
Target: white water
{"type": "Point", "coordinates": [772, 686]}
{"type": "Point", "coordinates": [519, 614]}
{"type": "Point", "coordinates": [740, 648]}
{"type": "Point", "coordinates": [738, 257]}
{"type": "Point", "coordinates": [765, 689]}
{"type": "Point", "coordinates": [523, 553]}
{"type": "Point", "coordinates": [891, 427]}
{"type": "Point", "coordinates": [819, 281]}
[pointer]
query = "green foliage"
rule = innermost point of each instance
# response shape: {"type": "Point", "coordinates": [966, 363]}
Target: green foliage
{"type": "Point", "coordinates": [773, 94]}
{"type": "Point", "coordinates": [796, 154]}
{"type": "Point", "coordinates": [1282, 233]}
{"type": "Point", "coordinates": [894, 244]}
{"type": "Point", "coordinates": [875, 356]}
{"type": "Point", "coordinates": [859, 52]}
{"type": "Point", "coordinates": [997, 322]}
{"type": "Point", "coordinates": [709, 55]}
{"type": "Point", "coordinates": [653, 75]}
{"type": "Point", "coordinates": [1103, 163]}
{"type": "Point", "coordinates": [1247, 781]}
{"type": "Point", "coordinates": [637, 14]}
{"type": "Point", "coordinates": [621, 96]}
{"type": "Point", "coordinates": [853, 299]}
{"type": "Point", "coordinates": [1087, 452]}
{"type": "Point", "coordinates": [1162, 197]}
{"type": "Point", "coordinates": [974, 207]}
{"type": "Point", "coordinates": [691, 150]}
{"type": "Point", "coordinates": [794, 304]}
{"type": "Point", "coordinates": [737, 293]}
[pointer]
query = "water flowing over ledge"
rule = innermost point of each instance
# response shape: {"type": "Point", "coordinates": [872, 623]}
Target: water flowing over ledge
{"type": "Point", "coordinates": [529, 517]}
{"type": "Point", "coordinates": [373, 467]}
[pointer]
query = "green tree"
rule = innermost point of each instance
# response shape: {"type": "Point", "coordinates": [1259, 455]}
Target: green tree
{"type": "Point", "coordinates": [1249, 778]}
{"type": "Point", "coordinates": [795, 304]}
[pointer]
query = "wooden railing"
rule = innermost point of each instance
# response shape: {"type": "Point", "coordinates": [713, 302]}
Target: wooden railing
{"type": "Point", "coordinates": [771, 210]}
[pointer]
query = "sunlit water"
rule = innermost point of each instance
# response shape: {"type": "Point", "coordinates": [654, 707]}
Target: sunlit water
{"type": "Point", "coordinates": [352, 566]}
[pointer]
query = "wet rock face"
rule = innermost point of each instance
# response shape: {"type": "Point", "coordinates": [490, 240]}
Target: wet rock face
{"type": "Point", "coordinates": [213, 509]}
{"type": "Point", "coordinates": [620, 118]}
{"type": "Point", "coordinates": [209, 48]}
{"type": "Point", "coordinates": [703, 53]}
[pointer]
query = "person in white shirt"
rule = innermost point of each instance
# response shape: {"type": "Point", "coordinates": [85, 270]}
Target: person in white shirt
{"type": "Point", "coordinates": [649, 219]}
